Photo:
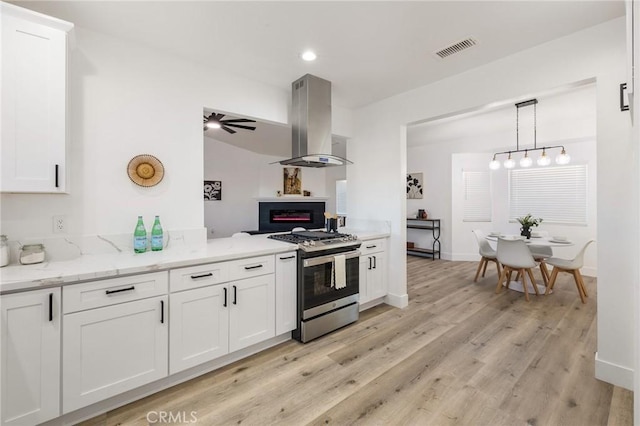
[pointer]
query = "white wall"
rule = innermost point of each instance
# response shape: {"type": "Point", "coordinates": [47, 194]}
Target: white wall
{"type": "Point", "coordinates": [246, 176]}
{"type": "Point", "coordinates": [125, 100]}
{"type": "Point", "coordinates": [378, 150]}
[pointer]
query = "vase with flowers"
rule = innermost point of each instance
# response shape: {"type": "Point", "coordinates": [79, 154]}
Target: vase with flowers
{"type": "Point", "coordinates": [527, 223]}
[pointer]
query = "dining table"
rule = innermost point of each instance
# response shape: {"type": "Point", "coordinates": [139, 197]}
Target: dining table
{"type": "Point", "coordinates": [544, 241]}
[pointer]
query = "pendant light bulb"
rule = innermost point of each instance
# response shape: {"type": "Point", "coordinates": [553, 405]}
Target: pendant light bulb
{"type": "Point", "coordinates": [563, 158]}
{"type": "Point", "coordinates": [494, 164]}
{"type": "Point", "coordinates": [544, 160]}
{"type": "Point", "coordinates": [526, 161]}
{"type": "Point", "coordinates": [509, 163]}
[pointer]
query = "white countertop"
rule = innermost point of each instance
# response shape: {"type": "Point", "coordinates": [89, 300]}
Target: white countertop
{"type": "Point", "coordinates": [14, 278]}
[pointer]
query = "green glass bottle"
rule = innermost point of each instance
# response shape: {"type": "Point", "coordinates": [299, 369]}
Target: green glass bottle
{"type": "Point", "coordinates": [156, 235]}
{"type": "Point", "coordinates": [140, 237]}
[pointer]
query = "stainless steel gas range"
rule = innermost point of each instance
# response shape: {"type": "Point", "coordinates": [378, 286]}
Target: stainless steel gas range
{"type": "Point", "coordinates": [328, 281]}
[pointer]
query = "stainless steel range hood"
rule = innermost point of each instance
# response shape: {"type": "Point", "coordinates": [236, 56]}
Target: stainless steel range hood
{"type": "Point", "coordinates": [311, 124]}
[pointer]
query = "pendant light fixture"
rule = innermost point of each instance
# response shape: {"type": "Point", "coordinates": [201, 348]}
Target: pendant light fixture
{"type": "Point", "coordinates": [526, 161]}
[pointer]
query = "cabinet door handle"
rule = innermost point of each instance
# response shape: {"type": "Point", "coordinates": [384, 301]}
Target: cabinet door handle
{"type": "Point", "coordinates": [162, 312]}
{"type": "Point", "coordinates": [286, 258]}
{"type": "Point", "coordinates": [375, 262]}
{"type": "Point", "coordinates": [235, 295]}
{"type": "Point", "coordinates": [252, 267]}
{"type": "Point", "coordinates": [50, 306]}
{"type": "Point", "coordinates": [195, 277]}
{"type": "Point", "coordinates": [57, 169]}
{"type": "Point", "coordinates": [373, 246]}
{"type": "Point", "coordinates": [120, 290]}
{"type": "Point", "coordinates": [369, 257]}
{"type": "Point", "coordinates": [225, 298]}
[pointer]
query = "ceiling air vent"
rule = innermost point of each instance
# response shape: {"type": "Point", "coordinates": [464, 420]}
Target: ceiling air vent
{"type": "Point", "coordinates": [456, 47]}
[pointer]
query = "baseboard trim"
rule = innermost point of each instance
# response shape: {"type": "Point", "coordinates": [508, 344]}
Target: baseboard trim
{"type": "Point", "coordinates": [613, 373]}
{"type": "Point", "coordinates": [371, 303]}
{"type": "Point", "coordinates": [397, 300]}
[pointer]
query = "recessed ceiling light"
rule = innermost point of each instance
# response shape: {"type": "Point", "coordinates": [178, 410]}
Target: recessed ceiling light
{"type": "Point", "coordinates": [309, 56]}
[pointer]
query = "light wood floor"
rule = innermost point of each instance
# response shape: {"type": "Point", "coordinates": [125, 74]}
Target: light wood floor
{"type": "Point", "coordinates": [458, 355]}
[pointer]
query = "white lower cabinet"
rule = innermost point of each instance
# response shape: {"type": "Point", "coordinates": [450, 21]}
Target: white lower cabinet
{"type": "Point", "coordinates": [199, 326]}
{"type": "Point", "coordinates": [286, 292]}
{"type": "Point", "coordinates": [373, 274]}
{"type": "Point", "coordinates": [30, 357]}
{"type": "Point", "coordinates": [208, 322]}
{"type": "Point", "coordinates": [252, 314]}
{"type": "Point", "coordinates": [110, 350]}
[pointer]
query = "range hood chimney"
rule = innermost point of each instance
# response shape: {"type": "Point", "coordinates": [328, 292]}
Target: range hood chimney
{"type": "Point", "coordinates": [311, 124]}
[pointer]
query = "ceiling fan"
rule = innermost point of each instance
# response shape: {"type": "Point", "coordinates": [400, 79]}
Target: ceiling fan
{"type": "Point", "coordinates": [215, 121]}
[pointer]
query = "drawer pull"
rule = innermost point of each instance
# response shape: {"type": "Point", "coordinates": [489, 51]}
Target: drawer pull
{"type": "Point", "coordinates": [120, 290]}
{"type": "Point", "coordinates": [288, 257]}
{"type": "Point", "coordinates": [50, 306]}
{"type": "Point", "coordinates": [252, 267]}
{"type": "Point", "coordinates": [225, 298]}
{"type": "Point", "coordinates": [373, 246]}
{"type": "Point", "coordinates": [195, 277]}
{"type": "Point", "coordinates": [162, 312]}
{"type": "Point", "coordinates": [235, 295]}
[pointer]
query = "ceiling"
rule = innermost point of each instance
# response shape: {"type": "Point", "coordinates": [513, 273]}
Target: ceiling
{"type": "Point", "coordinates": [368, 50]}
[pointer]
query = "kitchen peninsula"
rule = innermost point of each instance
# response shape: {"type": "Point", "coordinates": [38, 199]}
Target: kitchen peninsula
{"type": "Point", "coordinates": [126, 325]}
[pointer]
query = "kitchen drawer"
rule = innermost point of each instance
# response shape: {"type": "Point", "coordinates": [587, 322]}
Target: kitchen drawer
{"type": "Point", "coordinates": [372, 246]}
{"type": "Point", "coordinates": [251, 267]}
{"type": "Point", "coordinates": [198, 276]}
{"type": "Point", "coordinates": [95, 294]}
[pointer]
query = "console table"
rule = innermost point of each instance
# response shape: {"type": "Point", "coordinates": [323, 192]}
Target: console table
{"type": "Point", "coordinates": [428, 224]}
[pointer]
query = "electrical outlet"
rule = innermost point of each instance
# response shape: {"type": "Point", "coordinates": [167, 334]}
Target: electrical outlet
{"type": "Point", "coordinates": [59, 224]}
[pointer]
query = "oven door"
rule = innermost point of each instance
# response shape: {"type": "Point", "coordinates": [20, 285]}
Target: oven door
{"type": "Point", "coordinates": [316, 283]}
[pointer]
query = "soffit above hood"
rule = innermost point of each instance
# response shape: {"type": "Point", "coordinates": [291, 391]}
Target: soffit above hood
{"type": "Point", "coordinates": [311, 124]}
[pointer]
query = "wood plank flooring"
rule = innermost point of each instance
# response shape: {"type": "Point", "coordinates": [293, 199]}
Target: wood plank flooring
{"type": "Point", "coordinates": [457, 355]}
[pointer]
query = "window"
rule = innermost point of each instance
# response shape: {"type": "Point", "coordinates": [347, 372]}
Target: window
{"type": "Point", "coordinates": [341, 197]}
{"type": "Point", "coordinates": [477, 196]}
{"type": "Point", "coordinates": [556, 194]}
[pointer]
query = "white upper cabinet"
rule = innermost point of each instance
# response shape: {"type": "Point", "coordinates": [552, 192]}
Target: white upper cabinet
{"type": "Point", "coordinates": [34, 101]}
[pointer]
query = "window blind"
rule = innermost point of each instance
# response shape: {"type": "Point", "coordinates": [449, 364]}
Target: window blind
{"type": "Point", "coordinates": [555, 194]}
{"type": "Point", "coordinates": [477, 196]}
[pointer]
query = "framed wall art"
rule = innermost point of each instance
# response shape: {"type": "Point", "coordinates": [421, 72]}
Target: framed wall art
{"type": "Point", "coordinates": [212, 190]}
{"type": "Point", "coordinates": [414, 186]}
{"type": "Point", "coordinates": [292, 179]}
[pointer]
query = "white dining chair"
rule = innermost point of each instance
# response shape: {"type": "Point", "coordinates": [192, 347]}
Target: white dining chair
{"type": "Point", "coordinates": [571, 266]}
{"type": "Point", "coordinates": [541, 254]}
{"type": "Point", "coordinates": [514, 255]}
{"type": "Point", "coordinates": [487, 254]}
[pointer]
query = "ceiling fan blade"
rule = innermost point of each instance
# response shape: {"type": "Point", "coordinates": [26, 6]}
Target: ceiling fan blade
{"type": "Point", "coordinates": [205, 128]}
{"type": "Point", "coordinates": [219, 116]}
{"type": "Point", "coordinates": [239, 126]}
{"type": "Point", "coordinates": [228, 129]}
{"type": "Point", "coordinates": [239, 120]}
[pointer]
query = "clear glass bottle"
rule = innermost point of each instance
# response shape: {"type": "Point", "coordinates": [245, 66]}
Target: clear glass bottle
{"type": "Point", "coordinates": [140, 237]}
{"type": "Point", "coordinates": [4, 251]}
{"type": "Point", "coordinates": [32, 253]}
{"type": "Point", "coordinates": [156, 235]}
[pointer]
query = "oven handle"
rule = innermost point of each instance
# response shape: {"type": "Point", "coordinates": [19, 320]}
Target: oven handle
{"type": "Point", "coordinates": [315, 261]}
